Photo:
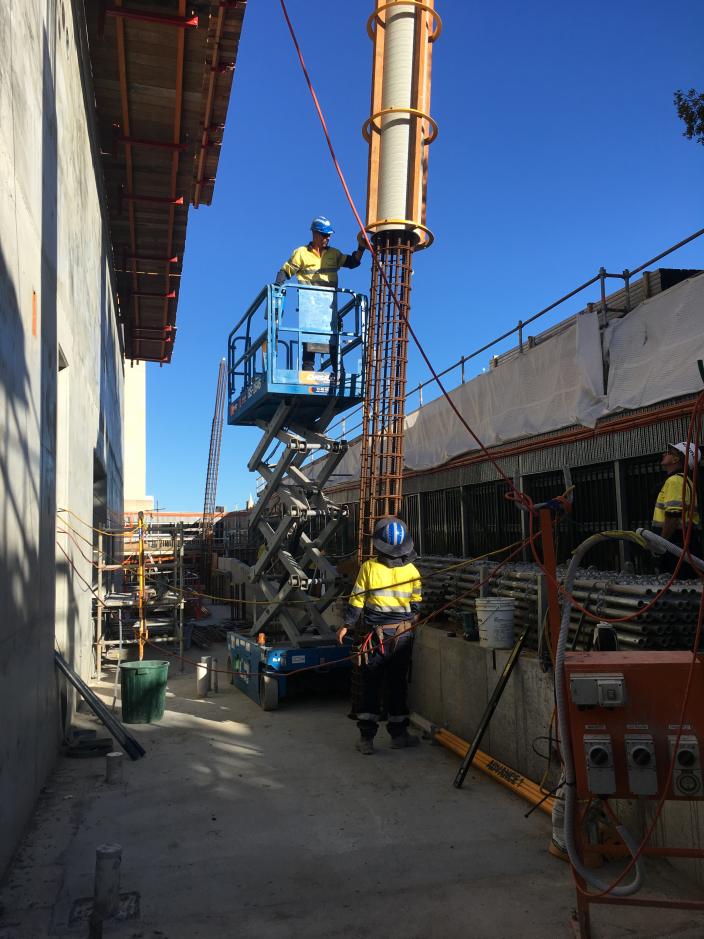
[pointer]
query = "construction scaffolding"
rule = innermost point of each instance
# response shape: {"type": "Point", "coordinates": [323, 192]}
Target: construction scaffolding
{"type": "Point", "coordinates": [140, 598]}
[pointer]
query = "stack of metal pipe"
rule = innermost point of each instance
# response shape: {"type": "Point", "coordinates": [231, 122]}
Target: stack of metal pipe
{"type": "Point", "coordinates": [643, 622]}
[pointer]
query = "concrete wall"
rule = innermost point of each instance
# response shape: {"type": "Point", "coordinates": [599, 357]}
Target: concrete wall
{"type": "Point", "coordinates": [61, 381]}
{"type": "Point", "coordinates": [451, 683]}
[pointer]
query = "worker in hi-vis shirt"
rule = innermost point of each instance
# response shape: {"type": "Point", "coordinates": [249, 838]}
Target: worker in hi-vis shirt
{"type": "Point", "coordinates": [388, 592]}
{"type": "Point", "coordinates": [676, 495]}
{"type": "Point", "coordinates": [317, 264]}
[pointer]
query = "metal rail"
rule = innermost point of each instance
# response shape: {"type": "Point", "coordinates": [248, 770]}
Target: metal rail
{"type": "Point", "coordinates": [600, 278]}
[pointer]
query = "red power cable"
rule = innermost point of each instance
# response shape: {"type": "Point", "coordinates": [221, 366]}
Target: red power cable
{"type": "Point", "coordinates": [520, 497]}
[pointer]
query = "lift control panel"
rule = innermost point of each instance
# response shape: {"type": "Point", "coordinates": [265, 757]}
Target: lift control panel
{"type": "Point", "coordinates": [625, 712]}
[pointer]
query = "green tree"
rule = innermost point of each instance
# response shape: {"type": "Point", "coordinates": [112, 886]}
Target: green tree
{"type": "Point", "coordinates": [690, 107]}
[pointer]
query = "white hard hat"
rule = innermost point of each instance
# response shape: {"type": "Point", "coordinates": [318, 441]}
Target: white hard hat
{"type": "Point", "coordinates": [690, 452]}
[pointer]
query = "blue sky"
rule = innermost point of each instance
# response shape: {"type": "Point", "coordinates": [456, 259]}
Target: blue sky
{"type": "Point", "coordinates": [559, 150]}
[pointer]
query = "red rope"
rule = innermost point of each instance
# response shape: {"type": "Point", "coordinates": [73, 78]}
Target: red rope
{"type": "Point", "coordinates": [520, 498]}
{"type": "Point", "coordinates": [328, 665]}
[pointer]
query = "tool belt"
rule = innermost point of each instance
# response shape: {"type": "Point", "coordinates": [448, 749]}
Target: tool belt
{"type": "Point", "coordinates": [376, 644]}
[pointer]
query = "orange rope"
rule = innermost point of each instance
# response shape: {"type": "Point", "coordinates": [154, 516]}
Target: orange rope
{"type": "Point", "coordinates": [521, 498]}
{"type": "Point", "coordinates": [328, 665]}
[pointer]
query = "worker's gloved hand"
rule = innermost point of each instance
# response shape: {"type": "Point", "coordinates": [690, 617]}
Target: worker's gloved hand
{"type": "Point", "coordinates": [280, 279]}
{"type": "Point", "coordinates": [361, 242]}
{"type": "Point", "coordinates": [341, 633]}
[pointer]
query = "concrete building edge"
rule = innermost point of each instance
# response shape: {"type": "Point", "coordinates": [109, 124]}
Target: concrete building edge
{"type": "Point", "coordinates": [43, 737]}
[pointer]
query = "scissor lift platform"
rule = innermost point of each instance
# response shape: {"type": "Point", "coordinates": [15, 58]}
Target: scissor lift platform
{"type": "Point", "coordinates": [268, 388]}
{"type": "Point", "coordinates": [267, 350]}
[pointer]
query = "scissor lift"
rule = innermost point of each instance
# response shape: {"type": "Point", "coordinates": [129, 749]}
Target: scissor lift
{"type": "Point", "coordinates": [269, 388]}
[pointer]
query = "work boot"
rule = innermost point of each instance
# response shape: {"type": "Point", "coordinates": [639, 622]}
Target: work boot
{"type": "Point", "coordinates": [365, 745]}
{"type": "Point", "coordinates": [404, 740]}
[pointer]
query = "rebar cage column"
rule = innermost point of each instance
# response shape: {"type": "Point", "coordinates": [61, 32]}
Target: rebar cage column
{"type": "Point", "coordinates": [399, 131]}
{"type": "Point", "coordinates": [381, 466]}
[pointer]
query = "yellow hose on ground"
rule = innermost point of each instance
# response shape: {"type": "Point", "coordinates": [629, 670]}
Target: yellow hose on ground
{"type": "Point", "coordinates": [510, 778]}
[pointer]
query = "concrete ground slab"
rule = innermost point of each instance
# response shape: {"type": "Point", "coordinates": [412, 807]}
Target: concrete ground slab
{"type": "Point", "coordinates": [271, 826]}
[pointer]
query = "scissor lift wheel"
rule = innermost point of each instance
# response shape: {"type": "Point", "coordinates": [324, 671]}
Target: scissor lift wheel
{"type": "Point", "coordinates": [268, 692]}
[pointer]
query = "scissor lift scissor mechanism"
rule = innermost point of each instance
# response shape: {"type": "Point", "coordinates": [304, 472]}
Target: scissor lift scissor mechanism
{"type": "Point", "coordinates": [301, 499]}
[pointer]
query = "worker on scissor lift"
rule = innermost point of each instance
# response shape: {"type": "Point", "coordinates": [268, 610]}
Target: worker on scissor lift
{"type": "Point", "coordinates": [388, 591]}
{"type": "Point", "coordinates": [672, 498]}
{"type": "Point", "coordinates": [317, 263]}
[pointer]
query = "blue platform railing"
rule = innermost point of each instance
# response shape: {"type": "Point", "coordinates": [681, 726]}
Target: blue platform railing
{"type": "Point", "coordinates": [288, 325]}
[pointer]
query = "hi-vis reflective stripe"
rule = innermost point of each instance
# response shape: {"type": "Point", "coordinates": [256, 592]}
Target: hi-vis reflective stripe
{"type": "Point", "coordinates": [374, 592]}
{"type": "Point", "coordinates": [381, 607]}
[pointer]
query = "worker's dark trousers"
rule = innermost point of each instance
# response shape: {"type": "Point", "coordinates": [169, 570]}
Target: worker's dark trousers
{"type": "Point", "coordinates": [390, 669]}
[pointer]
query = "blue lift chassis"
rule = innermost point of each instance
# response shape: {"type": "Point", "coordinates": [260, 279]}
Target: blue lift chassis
{"type": "Point", "coordinates": [294, 519]}
{"type": "Point", "coordinates": [263, 672]}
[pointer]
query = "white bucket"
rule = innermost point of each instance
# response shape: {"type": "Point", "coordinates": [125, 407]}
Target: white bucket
{"type": "Point", "coordinates": [495, 621]}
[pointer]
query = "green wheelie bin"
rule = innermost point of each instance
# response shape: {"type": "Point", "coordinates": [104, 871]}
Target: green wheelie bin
{"type": "Point", "coordinates": [143, 691]}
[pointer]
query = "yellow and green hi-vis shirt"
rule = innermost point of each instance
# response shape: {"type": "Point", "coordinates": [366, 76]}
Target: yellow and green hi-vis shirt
{"type": "Point", "coordinates": [382, 589]}
{"type": "Point", "coordinates": [670, 499]}
{"type": "Point", "coordinates": [310, 268]}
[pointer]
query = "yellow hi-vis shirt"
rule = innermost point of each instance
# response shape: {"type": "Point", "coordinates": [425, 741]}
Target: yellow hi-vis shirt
{"type": "Point", "coordinates": [670, 500]}
{"type": "Point", "coordinates": [311, 268]}
{"type": "Point", "coordinates": [382, 589]}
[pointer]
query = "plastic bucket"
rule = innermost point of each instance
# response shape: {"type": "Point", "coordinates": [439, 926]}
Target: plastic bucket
{"type": "Point", "coordinates": [143, 691]}
{"type": "Point", "coordinates": [495, 621]}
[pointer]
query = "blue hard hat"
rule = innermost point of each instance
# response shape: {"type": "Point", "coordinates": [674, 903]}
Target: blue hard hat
{"type": "Point", "coordinates": [323, 225]}
{"type": "Point", "coordinates": [391, 537]}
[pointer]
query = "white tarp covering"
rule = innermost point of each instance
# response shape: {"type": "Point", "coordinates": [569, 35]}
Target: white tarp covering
{"type": "Point", "coordinates": [348, 469]}
{"type": "Point", "coordinates": [652, 354]}
{"type": "Point", "coordinates": [552, 385]}
{"type": "Point", "coordinates": [653, 351]}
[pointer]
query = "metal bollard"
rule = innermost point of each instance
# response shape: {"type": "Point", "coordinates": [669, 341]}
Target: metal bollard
{"type": "Point", "coordinates": [113, 768]}
{"type": "Point", "coordinates": [203, 676]}
{"type": "Point", "coordinates": [106, 892]}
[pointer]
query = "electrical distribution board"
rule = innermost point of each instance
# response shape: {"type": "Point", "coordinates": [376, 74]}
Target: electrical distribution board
{"type": "Point", "coordinates": [625, 710]}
